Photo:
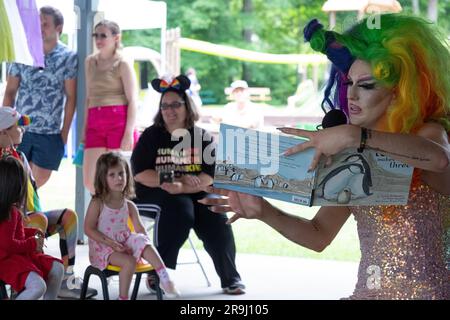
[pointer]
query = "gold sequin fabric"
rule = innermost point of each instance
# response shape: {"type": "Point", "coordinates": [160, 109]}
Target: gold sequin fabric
{"type": "Point", "coordinates": [404, 248]}
{"type": "Point", "coordinates": [445, 206]}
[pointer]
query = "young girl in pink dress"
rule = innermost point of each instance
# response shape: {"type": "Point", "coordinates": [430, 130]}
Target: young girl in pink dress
{"type": "Point", "coordinates": [110, 239]}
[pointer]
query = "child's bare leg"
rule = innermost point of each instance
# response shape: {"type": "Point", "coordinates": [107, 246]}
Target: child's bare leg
{"type": "Point", "coordinates": [152, 256]}
{"type": "Point", "coordinates": [127, 264]}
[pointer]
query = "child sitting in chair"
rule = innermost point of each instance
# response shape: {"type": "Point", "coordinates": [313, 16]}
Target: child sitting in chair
{"type": "Point", "coordinates": [23, 264]}
{"type": "Point", "coordinates": [110, 239]}
{"type": "Point", "coordinates": [61, 221]}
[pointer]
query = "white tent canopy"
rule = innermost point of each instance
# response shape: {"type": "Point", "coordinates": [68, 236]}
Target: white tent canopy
{"type": "Point", "coordinates": [135, 14]}
{"type": "Point", "coordinates": [129, 14]}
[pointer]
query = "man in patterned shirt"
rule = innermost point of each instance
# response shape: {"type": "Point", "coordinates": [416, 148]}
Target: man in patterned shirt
{"type": "Point", "coordinates": [48, 96]}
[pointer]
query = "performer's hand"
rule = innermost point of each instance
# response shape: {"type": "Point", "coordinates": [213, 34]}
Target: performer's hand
{"type": "Point", "coordinates": [326, 142]}
{"type": "Point", "coordinates": [243, 205]}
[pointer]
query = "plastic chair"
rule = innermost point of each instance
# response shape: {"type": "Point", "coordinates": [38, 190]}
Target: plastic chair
{"type": "Point", "coordinates": [112, 270]}
{"type": "Point", "coordinates": [153, 212]}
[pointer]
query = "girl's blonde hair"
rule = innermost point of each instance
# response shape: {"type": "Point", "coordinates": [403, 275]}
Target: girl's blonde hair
{"type": "Point", "coordinates": [106, 162]}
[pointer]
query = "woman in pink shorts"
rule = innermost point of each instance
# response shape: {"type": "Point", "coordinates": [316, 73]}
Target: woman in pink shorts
{"type": "Point", "coordinates": [111, 100]}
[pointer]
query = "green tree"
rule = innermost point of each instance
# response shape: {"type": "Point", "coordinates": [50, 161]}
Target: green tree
{"type": "Point", "coordinates": [273, 26]}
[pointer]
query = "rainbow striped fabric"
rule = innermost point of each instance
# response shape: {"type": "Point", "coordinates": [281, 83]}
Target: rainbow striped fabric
{"type": "Point", "coordinates": [20, 33]}
{"type": "Point", "coordinates": [24, 120]}
{"type": "Point", "coordinates": [165, 85]}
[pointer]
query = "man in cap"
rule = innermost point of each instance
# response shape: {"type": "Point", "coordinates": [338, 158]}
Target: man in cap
{"type": "Point", "coordinates": [241, 111]}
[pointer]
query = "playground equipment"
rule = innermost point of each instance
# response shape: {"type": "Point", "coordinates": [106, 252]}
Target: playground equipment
{"type": "Point", "coordinates": [176, 43]}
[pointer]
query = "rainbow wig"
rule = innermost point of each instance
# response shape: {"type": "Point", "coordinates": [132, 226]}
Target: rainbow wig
{"type": "Point", "coordinates": [406, 54]}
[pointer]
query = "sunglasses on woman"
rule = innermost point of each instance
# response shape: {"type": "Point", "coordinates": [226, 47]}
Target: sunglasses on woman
{"type": "Point", "coordinates": [173, 105]}
{"type": "Point", "coordinates": [100, 35]}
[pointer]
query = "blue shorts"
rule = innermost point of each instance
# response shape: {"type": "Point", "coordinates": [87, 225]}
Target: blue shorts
{"type": "Point", "coordinates": [44, 150]}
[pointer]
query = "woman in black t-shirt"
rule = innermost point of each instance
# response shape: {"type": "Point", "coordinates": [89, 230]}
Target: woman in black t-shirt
{"type": "Point", "coordinates": [172, 163]}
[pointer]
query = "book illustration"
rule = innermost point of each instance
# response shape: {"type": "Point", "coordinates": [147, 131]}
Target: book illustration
{"type": "Point", "coordinates": [249, 161]}
{"type": "Point", "coordinates": [252, 162]}
{"type": "Point", "coordinates": [235, 175]}
{"type": "Point", "coordinates": [270, 181]}
{"type": "Point", "coordinates": [362, 179]}
{"type": "Point", "coordinates": [350, 179]}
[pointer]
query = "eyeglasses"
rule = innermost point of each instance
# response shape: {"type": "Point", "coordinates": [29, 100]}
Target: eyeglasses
{"type": "Point", "coordinates": [100, 35]}
{"type": "Point", "coordinates": [173, 105]}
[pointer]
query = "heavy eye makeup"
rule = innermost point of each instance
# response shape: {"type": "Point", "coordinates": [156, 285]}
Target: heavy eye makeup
{"type": "Point", "coordinates": [367, 84]}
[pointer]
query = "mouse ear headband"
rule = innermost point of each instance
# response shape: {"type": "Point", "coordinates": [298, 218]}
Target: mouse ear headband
{"type": "Point", "coordinates": [325, 41]}
{"type": "Point", "coordinates": [179, 84]}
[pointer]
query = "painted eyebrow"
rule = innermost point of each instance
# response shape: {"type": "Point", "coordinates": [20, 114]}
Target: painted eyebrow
{"type": "Point", "coordinates": [363, 78]}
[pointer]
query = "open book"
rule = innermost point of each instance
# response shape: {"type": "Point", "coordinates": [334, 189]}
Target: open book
{"type": "Point", "coordinates": [250, 161]}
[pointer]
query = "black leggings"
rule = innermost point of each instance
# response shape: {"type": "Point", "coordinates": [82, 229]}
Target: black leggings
{"type": "Point", "coordinates": [180, 213]}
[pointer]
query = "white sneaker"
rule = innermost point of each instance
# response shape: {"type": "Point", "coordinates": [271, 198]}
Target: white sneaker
{"type": "Point", "coordinates": [71, 289]}
{"type": "Point", "coordinates": [170, 290]}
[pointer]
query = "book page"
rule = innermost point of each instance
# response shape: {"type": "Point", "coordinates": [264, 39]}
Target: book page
{"type": "Point", "coordinates": [368, 178]}
{"type": "Point", "coordinates": [249, 161]}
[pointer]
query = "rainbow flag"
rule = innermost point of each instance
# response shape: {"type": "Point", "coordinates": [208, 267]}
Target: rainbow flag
{"type": "Point", "coordinates": [20, 33]}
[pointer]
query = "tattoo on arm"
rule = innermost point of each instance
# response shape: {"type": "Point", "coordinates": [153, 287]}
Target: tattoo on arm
{"type": "Point", "coordinates": [278, 214]}
{"type": "Point", "coordinates": [283, 234]}
{"type": "Point", "coordinates": [417, 158]}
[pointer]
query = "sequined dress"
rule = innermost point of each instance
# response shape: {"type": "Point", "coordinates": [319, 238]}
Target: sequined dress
{"type": "Point", "coordinates": [403, 248]}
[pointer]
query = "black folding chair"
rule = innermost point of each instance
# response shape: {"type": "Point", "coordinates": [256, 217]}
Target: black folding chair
{"type": "Point", "coordinates": [153, 212]}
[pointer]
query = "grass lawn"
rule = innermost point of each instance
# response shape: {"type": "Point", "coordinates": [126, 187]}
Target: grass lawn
{"type": "Point", "coordinates": [252, 236]}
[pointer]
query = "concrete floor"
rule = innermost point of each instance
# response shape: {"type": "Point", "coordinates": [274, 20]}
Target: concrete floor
{"type": "Point", "coordinates": [266, 277]}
